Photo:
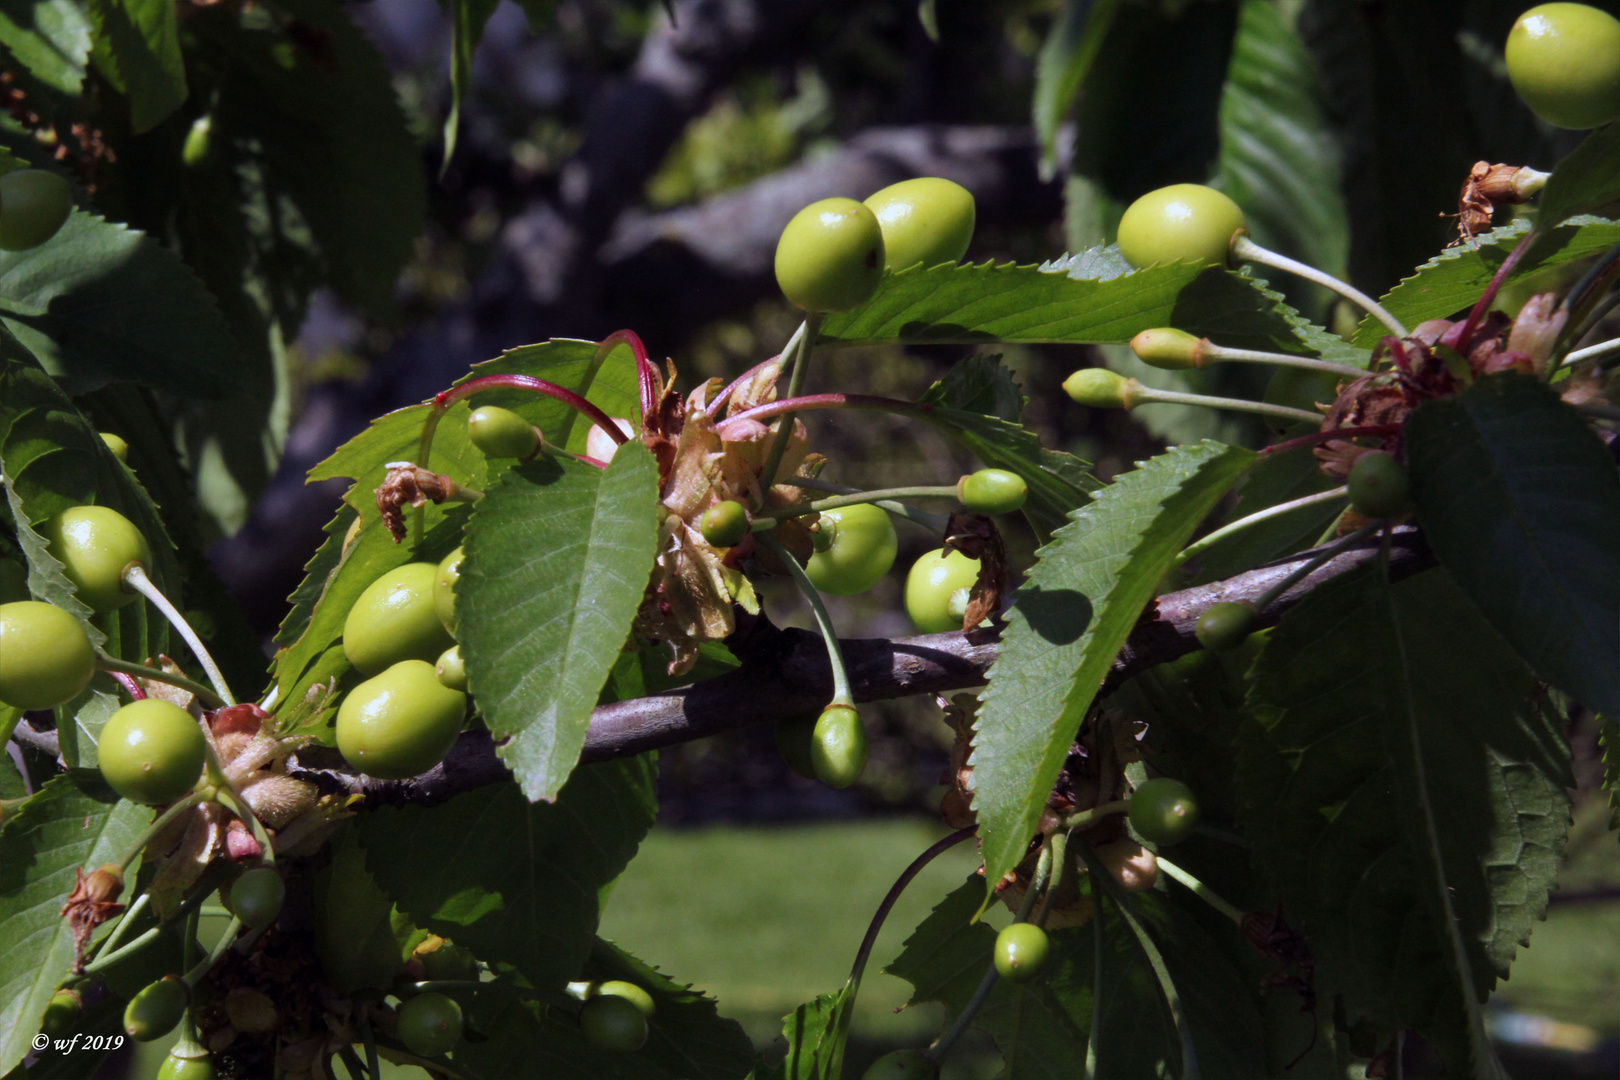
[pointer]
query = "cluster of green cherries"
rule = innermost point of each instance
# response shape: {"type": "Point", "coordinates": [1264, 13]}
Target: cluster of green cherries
{"type": "Point", "coordinates": [1161, 811]}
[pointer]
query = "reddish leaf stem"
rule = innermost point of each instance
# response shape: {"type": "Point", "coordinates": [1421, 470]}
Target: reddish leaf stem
{"type": "Point", "coordinates": [646, 371]}
{"type": "Point", "coordinates": [811, 402]}
{"type": "Point", "coordinates": [1371, 431]}
{"type": "Point", "coordinates": [1486, 298]}
{"type": "Point", "coordinates": [131, 687]}
{"type": "Point", "coordinates": [725, 395]}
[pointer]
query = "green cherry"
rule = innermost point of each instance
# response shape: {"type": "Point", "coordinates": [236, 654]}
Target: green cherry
{"type": "Point", "coordinates": [992, 491]}
{"type": "Point", "coordinates": [256, 897]}
{"type": "Point", "coordinates": [724, 524]}
{"type": "Point", "coordinates": [444, 589]}
{"type": "Point", "coordinates": [46, 658]}
{"type": "Point", "coordinates": [855, 546]}
{"type": "Point", "coordinates": [1182, 222]}
{"type": "Point", "coordinates": [502, 433]}
{"type": "Point", "coordinates": [1168, 348]}
{"type": "Point", "coordinates": [928, 220]}
{"type": "Point", "coordinates": [430, 1024]}
{"type": "Point", "coordinates": [156, 1009]}
{"type": "Point", "coordinates": [396, 619]}
{"type": "Point", "coordinates": [33, 205]}
{"type": "Point", "coordinates": [401, 723]}
{"type": "Point", "coordinates": [62, 1014]}
{"type": "Point", "coordinates": [613, 1023]}
{"type": "Point", "coordinates": [937, 589]}
{"type": "Point", "coordinates": [838, 746]}
{"type": "Point", "coordinates": [95, 544]}
{"type": "Point", "coordinates": [1564, 62]}
{"type": "Point", "coordinates": [1022, 950]}
{"type": "Point", "coordinates": [1099, 388]}
{"type": "Point", "coordinates": [175, 1067]}
{"type": "Point", "coordinates": [1379, 487]}
{"type": "Point", "coordinates": [830, 256]}
{"type": "Point", "coordinates": [119, 448]}
{"type": "Point", "coordinates": [1163, 811]}
{"type": "Point", "coordinates": [451, 669]}
{"type": "Point", "coordinates": [1226, 625]}
{"type": "Point", "coordinates": [632, 993]}
{"type": "Point", "coordinates": [901, 1065]}
{"type": "Point", "coordinates": [151, 751]}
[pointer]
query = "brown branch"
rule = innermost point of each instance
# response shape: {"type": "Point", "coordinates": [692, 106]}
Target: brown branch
{"type": "Point", "coordinates": [785, 673]}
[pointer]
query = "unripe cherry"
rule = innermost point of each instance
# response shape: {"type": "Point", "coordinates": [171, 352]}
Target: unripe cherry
{"type": "Point", "coordinates": [1564, 62]}
{"type": "Point", "coordinates": [927, 220]}
{"type": "Point", "coordinates": [1099, 388]}
{"type": "Point", "coordinates": [395, 619]}
{"type": "Point", "coordinates": [502, 433]}
{"type": "Point", "coordinates": [1182, 222]}
{"type": "Point", "coordinates": [444, 589]}
{"type": "Point", "coordinates": [830, 256]}
{"type": "Point", "coordinates": [46, 658]}
{"type": "Point", "coordinates": [95, 545]}
{"type": "Point", "coordinates": [724, 524]}
{"type": "Point", "coordinates": [992, 491]}
{"type": "Point", "coordinates": [632, 993]}
{"type": "Point", "coordinates": [1022, 950]}
{"type": "Point", "coordinates": [838, 746]}
{"type": "Point", "coordinates": [119, 448]}
{"type": "Point", "coordinates": [855, 546]}
{"type": "Point", "coordinates": [1168, 348]}
{"type": "Point", "coordinates": [451, 669]}
{"type": "Point", "coordinates": [430, 1024]}
{"type": "Point", "coordinates": [33, 205]}
{"type": "Point", "coordinates": [256, 897]}
{"type": "Point", "coordinates": [937, 590]}
{"type": "Point", "coordinates": [401, 723]}
{"type": "Point", "coordinates": [151, 751]}
{"type": "Point", "coordinates": [154, 1011]}
{"type": "Point", "coordinates": [1163, 811]}
{"type": "Point", "coordinates": [1226, 625]}
{"type": "Point", "coordinates": [1379, 487]}
{"type": "Point", "coordinates": [613, 1023]}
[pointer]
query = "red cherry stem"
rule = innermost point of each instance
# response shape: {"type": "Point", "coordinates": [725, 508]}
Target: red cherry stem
{"type": "Point", "coordinates": [446, 398]}
{"type": "Point", "coordinates": [725, 395]}
{"type": "Point", "coordinates": [1370, 431]}
{"type": "Point", "coordinates": [131, 687]}
{"type": "Point", "coordinates": [812, 402]}
{"type": "Point", "coordinates": [646, 371]}
{"type": "Point", "coordinates": [899, 886]}
{"type": "Point", "coordinates": [112, 664]}
{"type": "Point", "coordinates": [1486, 298]}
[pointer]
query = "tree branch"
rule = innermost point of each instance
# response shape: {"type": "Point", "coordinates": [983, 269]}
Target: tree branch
{"type": "Point", "coordinates": [785, 673]}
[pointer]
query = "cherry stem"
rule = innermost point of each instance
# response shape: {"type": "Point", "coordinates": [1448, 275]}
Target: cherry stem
{"type": "Point", "coordinates": [934, 522]}
{"type": "Point", "coordinates": [1204, 543]}
{"type": "Point", "coordinates": [159, 823]}
{"type": "Point", "coordinates": [226, 939]}
{"type": "Point", "coordinates": [131, 687]}
{"type": "Point", "coordinates": [1486, 298]}
{"type": "Point", "coordinates": [1059, 842]}
{"type": "Point", "coordinates": [1203, 892]}
{"type": "Point", "coordinates": [1610, 348]}
{"type": "Point", "coordinates": [725, 395]}
{"type": "Point", "coordinates": [1136, 394]}
{"type": "Point", "coordinates": [1089, 817]}
{"type": "Point", "coordinates": [135, 577]}
{"type": "Point", "coordinates": [889, 900]}
{"type": "Point", "coordinates": [1366, 432]}
{"type": "Point", "coordinates": [368, 1040]}
{"type": "Point", "coordinates": [109, 946]}
{"type": "Point", "coordinates": [1244, 248]}
{"type": "Point", "coordinates": [840, 679]}
{"type": "Point", "coordinates": [806, 339]}
{"type": "Point", "coordinates": [646, 372]}
{"type": "Point", "coordinates": [1315, 563]}
{"type": "Point", "coordinates": [112, 664]}
{"type": "Point", "coordinates": [814, 402]}
{"type": "Point", "coordinates": [1212, 351]}
{"type": "Point", "coordinates": [1101, 877]}
{"type": "Point", "coordinates": [446, 398]}
{"type": "Point", "coordinates": [1096, 985]}
{"type": "Point", "coordinates": [855, 498]}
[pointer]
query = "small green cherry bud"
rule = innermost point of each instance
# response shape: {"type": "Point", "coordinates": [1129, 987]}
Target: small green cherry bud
{"type": "Point", "coordinates": [724, 524]}
{"type": "Point", "coordinates": [199, 142]}
{"type": "Point", "coordinates": [1163, 811]}
{"type": "Point", "coordinates": [119, 448]}
{"type": "Point", "coordinates": [451, 669]}
{"type": "Point", "coordinates": [156, 1009]}
{"type": "Point", "coordinates": [444, 589]}
{"type": "Point", "coordinates": [1099, 388]}
{"type": "Point", "coordinates": [992, 491]}
{"type": "Point", "coordinates": [1226, 625]}
{"type": "Point", "coordinates": [838, 746]}
{"type": "Point", "coordinates": [1179, 223]}
{"type": "Point", "coordinates": [1022, 950]}
{"type": "Point", "coordinates": [1379, 487]}
{"type": "Point", "coordinates": [502, 433]}
{"type": "Point", "coordinates": [1168, 348]}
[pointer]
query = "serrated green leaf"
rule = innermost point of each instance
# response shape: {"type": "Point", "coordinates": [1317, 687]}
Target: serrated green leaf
{"type": "Point", "coordinates": [558, 557]}
{"type": "Point", "coordinates": [1587, 180]}
{"type": "Point", "coordinates": [74, 822]}
{"type": "Point", "coordinates": [1070, 49]}
{"type": "Point", "coordinates": [357, 937]}
{"type": "Point", "coordinates": [1453, 280]}
{"type": "Point", "coordinates": [51, 39]}
{"type": "Point", "coordinates": [1070, 619]}
{"type": "Point", "coordinates": [100, 302]}
{"type": "Point", "coordinates": [1406, 797]}
{"type": "Point", "coordinates": [816, 1033]}
{"type": "Point", "coordinates": [467, 19]}
{"type": "Point", "coordinates": [137, 50]}
{"type": "Point", "coordinates": [1278, 160]}
{"type": "Point", "coordinates": [514, 881]}
{"type": "Point", "coordinates": [1522, 504]}
{"type": "Point", "coordinates": [951, 304]}
{"type": "Point", "coordinates": [978, 405]}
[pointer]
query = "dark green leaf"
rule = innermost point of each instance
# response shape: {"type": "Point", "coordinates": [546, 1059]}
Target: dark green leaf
{"type": "Point", "coordinates": [514, 881]}
{"type": "Point", "coordinates": [1522, 504]}
{"type": "Point", "coordinates": [100, 303]}
{"type": "Point", "coordinates": [467, 19]}
{"type": "Point", "coordinates": [558, 557]}
{"type": "Point", "coordinates": [1277, 479]}
{"type": "Point", "coordinates": [965, 304]}
{"type": "Point", "coordinates": [357, 935]}
{"type": "Point", "coordinates": [137, 50]}
{"type": "Point", "coordinates": [73, 823]}
{"type": "Point", "coordinates": [1070, 49]}
{"type": "Point", "coordinates": [1586, 181]}
{"type": "Point", "coordinates": [50, 39]}
{"type": "Point", "coordinates": [1451, 281]}
{"type": "Point", "coordinates": [980, 384]}
{"type": "Point", "coordinates": [1070, 619]}
{"type": "Point", "coordinates": [1406, 796]}
{"type": "Point", "coordinates": [816, 1033]}
{"type": "Point", "coordinates": [1279, 161]}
